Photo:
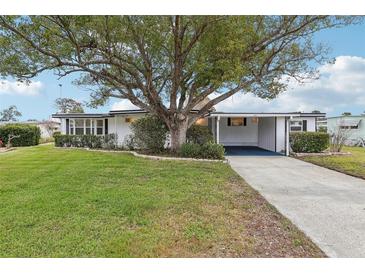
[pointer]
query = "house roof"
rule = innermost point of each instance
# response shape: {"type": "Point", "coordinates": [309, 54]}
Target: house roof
{"type": "Point", "coordinates": [81, 115]}
{"type": "Point", "coordinates": [213, 114]}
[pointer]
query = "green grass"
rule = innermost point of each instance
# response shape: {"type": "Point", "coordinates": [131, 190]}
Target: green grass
{"type": "Point", "coordinates": [350, 164]}
{"type": "Point", "coordinates": [77, 203]}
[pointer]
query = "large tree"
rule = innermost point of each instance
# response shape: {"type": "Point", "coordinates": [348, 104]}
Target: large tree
{"type": "Point", "coordinates": [68, 105]}
{"type": "Point", "coordinates": [10, 114]}
{"type": "Point", "coordinates": [167, 64]}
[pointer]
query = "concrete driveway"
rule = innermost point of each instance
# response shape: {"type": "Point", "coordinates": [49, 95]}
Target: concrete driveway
{"type": "Point", "coordinates": [328, 206]}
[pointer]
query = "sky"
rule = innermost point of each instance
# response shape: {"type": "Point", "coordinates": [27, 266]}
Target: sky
{"type": "Point", "coordinates": [340, 87]}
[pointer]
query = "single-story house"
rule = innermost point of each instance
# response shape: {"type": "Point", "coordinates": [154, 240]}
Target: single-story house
{"type": "Point", "coordinates": [354, 126]}
{"type": "Point", "coordinates": [269, 131]}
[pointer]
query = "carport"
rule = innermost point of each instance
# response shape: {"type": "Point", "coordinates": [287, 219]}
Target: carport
{"type": "Point", "coordinates": [251, 133]}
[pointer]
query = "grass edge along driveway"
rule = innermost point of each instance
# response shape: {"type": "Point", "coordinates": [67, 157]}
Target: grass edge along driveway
{"type": "Point", "coordinates": [76, 203]}
{"type": "Point", "coordinates": [353, 164]}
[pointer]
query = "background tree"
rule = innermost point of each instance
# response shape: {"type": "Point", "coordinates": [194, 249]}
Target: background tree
{"type": "Point", "coordinates": [167, 64]}
{"type": "Point", "coordinates": [10, 114]}
{"type": "Point", "coordinates": [68, 105]}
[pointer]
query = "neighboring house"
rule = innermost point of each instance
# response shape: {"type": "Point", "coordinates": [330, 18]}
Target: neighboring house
{"type": "Point", "coordinates": [47, 127]}
{"type": "Point", "coordinates": [354, 124]}
{"type": "Point", "coordinates": [269, 131]}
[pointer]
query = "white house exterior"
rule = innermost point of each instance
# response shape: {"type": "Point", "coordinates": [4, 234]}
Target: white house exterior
{"type": "Point", "coordinates": [269, 131]}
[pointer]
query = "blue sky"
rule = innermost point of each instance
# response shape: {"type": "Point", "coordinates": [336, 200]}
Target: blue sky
{"type": "Point", "coordinates": [340, 88]}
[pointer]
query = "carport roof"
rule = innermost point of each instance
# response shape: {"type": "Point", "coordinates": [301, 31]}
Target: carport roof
{"type": "Point", "coordinates": [268, 114]}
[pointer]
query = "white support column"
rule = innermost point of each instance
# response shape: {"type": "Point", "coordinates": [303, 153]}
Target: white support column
{"type": "Point", "coordinates": [95, 133]}
{"type": "Point", "coordinates": [217, 125]}
{"type": "Point", "coordinates": [84, 126]}
{"type": "Point", "coordinates": [287, 146]}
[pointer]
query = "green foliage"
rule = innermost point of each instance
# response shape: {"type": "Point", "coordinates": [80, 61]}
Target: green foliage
{"type": "Point", "coordinates": [29, 135]}
{"type": "Point", "coordinates": [309, 141]}
{"type": "Point", "coordinates": [205, 151]}
{"type": "Point", "coordinates": [149, 133]}
{"type": "Point", "coordinates": [108, 141]}
{"type": "Point", "coordinates": [10, 114]}
{"type": "Point", "coordinates": [199, 135]}
{"type": "Point", "coordinates": [322, 129]}
{"type": "Point", "coordinates": [68, 105]}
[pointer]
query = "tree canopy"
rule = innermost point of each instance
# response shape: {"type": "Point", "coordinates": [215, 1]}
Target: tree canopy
{"type": "Point", "coordinates": [68, 105]}
{"type": "Point", "coordinates": [10, 114]}
{"type": "Point", "coordinates": [167, 64]}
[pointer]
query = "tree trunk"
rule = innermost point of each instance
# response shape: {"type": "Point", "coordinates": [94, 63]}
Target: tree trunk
{"type": "Point", "coordinates": [178, 135]}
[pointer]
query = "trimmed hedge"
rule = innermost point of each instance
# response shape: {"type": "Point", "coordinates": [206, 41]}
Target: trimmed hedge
{"type": "Point", "coordinates": [309, 142]}
{"type": "Point", "coordinates": [108, 141]}
{"type": "Point", "coordinates": [205, 151]}
{"type": "Point", "coordinates": [199, 135]}
{"type": "Point", "coordinates": [149, 133]}
{"type": "Point", "coordinates": [29, 135]}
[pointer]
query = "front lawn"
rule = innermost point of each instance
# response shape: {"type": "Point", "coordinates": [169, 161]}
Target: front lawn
{"type": "Point", "coordinates": [350, 164]}
{"type": "Point", "coordinates": [77, 203]}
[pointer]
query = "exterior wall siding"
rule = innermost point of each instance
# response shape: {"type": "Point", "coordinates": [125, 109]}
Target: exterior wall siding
{"type": "Point", "coordinates": [280, 134]}
{"type": "Point", "coordinates": [354, 134]}
{"type": "Point", "coordinates": [238, 135]}
{"type": "Point", "coordinates": [266, 133]}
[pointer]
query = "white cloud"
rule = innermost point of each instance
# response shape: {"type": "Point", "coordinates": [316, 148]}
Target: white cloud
{"type": "Point", "coordinates": [19, 88]}
{"type": "Point", "coordinates": [341, 86]}
{"type": "Point", "coordinates": [123, 105]}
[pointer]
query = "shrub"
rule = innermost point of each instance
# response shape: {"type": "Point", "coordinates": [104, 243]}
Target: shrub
{"type": "Point", "coordinates": [129, 142]}
{"type": "Point", "coordinates": [199, 135]}
{"type": "Point", "coordinates": [29, 135]}
{"type": "Point", "coordinates": [309, 141]}
{"type": "Point", "coordinates": [90, 141]}
{"type": "Point", "coordinates": [205, 151]}
{"type": "Point", "coordinates": [149, 133]}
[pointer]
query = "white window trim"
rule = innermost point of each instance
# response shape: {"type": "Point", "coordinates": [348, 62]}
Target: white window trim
{"type": "Point", "coordinates": [93, 124]}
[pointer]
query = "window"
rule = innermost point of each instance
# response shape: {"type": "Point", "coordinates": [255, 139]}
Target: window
{"type": "Point", "coordinates": [296, 125]}
{"type": "Point", "coordinates": [349, 127]}
{"type": "Point", "coordinates": [88, 126]}
{"type": "Point", "coordinates": [236, 121]}
{"type": "Point", "coordinates": [99, 127]}
{"type": "Point", "coordinates": [79, 126]}
{"type": "Point", "coordinates": [72, 126]}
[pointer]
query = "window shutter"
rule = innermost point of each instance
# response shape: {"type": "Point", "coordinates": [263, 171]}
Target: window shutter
{"type": "Point", "coordinates": [67, 126]}
{"type": "Point", "coordinates": [304, 125]}
{"type": "Point", "coordinates": [245, 121]}
{"type": "Point", "coordinates": [106, 126]}
{"type": "Point", "coordinates": [228, 121]}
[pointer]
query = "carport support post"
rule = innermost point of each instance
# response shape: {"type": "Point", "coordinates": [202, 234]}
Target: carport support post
{"type": "Point", "coordinates": [287, 147]}
{"type": "Point", "coordinates": [217, 126]}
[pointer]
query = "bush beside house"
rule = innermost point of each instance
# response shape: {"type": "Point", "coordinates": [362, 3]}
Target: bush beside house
{"type": "Point", "coordinates": [149, 133]}
{"type": "Point", "coordinates": [199, 135]}
{"type": "Point", "coordinates": [108, 141]}
{"type": "Point", "coordinates": [204, 151]}
{"type": "Point", "coordinates": [309, 142]}
{"type": "Point", "coordinates": [27, 135]}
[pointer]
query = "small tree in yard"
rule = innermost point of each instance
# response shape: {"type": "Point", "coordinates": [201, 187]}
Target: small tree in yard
{"type": "Point", "coordinates": [338, 138]}
{"type": "Point", "coordinates": [167, 65]}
